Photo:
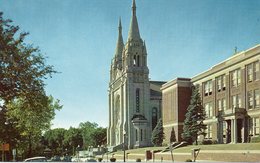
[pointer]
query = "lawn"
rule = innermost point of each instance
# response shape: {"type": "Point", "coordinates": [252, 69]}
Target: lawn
{"type": "Point", "coordinates": [187, 149]}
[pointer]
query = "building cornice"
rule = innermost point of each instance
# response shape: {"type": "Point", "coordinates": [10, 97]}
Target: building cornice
{"type": "Point", "coordinates": [175, 81]}
{"type": "Point", "coordinates": [235, 59]}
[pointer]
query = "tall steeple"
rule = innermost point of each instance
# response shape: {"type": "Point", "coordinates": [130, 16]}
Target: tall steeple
{"type": "Point", "coordinates": [120, 42]}
{"type": "Point", "coordinates": [134, 30]}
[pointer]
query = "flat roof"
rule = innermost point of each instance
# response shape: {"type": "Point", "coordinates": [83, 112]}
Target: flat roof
{"type": "Point", "coordinates": [238, 57]}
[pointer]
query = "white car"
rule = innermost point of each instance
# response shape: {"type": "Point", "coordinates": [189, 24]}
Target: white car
{"type": "Point", "coordinates": [36, 159]}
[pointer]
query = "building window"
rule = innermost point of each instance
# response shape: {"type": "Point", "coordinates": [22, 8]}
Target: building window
{"type": "Point", "coordinates": [250, 73]}
{"type": "Point", "coordinates": [254, 125]}
{"type": "Point", "coordinates": [224, 129]}
{"type": "Point", "coordinates": [221, 104]}
{"type": "Point", "coordinates": [224, 82]}
{"type": "Point", "coordinates": [208, 88]}
{"type": "Point", "coordinates": [236, 101]}
{"type": "Point", "coordinates": [208, 109]}
{"type": "Point", "coordinates": [144, 134]}
{"type": "Point", "coordinates": [137, 100]}
{"type": "Point", "coordinates": [221, 83]}
{"type": "Point", "coordinates": [134, 61]}
{"type": "Point", "coordinates": [154, 117]}
{"type": "Point", "coordinates": [235, 78]}
{"type": "Point", "coordinates": [138, 60]}
{"type": "Point", "coordinates": [256, 71]}
{"type": "Point", "coordinates": [141, 132]}
{"type": "Point", "coordinates": [253, 72]}
{"type": "Point", "coordinates": [208, 132]}
{"type": "Point", "coordinates": [136, 135]}
{"type": "Point", "coordinates": [253, 99]}
{"type": "Point", "coordinates": [224, 104]}
{"type": "Point", "coordinates": [256, 98]}
{"type": "Point", "coordinates": [250, 123]}
{"type": "Point", "coordinates": [250, 99]}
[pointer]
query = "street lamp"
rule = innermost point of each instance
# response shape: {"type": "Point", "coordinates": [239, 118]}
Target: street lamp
{"type": "Point", "coordinates": [78, 151]}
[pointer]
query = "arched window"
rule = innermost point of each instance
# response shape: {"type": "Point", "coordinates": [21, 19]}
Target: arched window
{"type": "Point", "coordinates": [154, 117]}
{"type": "Point", "coordinates": [134, 61]}
{"type": "Point", "coordinates": [137, 100]}
{"type": "Point", "coordinates": [138, 60]}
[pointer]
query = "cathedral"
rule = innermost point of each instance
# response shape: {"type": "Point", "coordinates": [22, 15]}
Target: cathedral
{"type": "Point", "coordinates": [134, 101]}
{"type": "Point", "coordinates": [230, 95]}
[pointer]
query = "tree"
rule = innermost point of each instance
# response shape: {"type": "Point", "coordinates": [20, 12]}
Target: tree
{"type": "Point", "coordinates": [100, 135]}
{"type": "Point", "coordinates": [73, 138]}
{"type": "Point", "coordinates": [55, 140]}
{"type": "Point", "coordinates": [173, 136]}
{"type": "Point", "coordinates": [32, 118]}
{"type": "Point", "coordinates": [88, 130]}
{"type": "Point", "coordinates": [23, 68]}
{"type": "Point", "coordinates": [157, 134]}
{"type": "Point", "coordinates": [25, 109]}
{"type": "Point", "coordinates": [193, 123]}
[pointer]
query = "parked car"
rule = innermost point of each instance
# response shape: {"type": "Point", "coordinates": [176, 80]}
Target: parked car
{"type": "Point", "coordinates": [36, 159]}
{"type": "Point", "coordinates": [55, 159]}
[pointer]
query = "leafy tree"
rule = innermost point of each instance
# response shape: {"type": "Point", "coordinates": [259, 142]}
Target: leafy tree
{"type": "Point", "coordinates": [193, 123]}
{"type": "Point", "coordinates": [100, 135]}
{"type": "Point", "coordinates": [32, 118]}
{"type": "Point", "coordinates": [88, 130]}
{"type": "Point", "coordinates": [73, 138]}
{"type": "Point", "coordinates": [23, 68]}
{"type": "Point", "coordinates": [157, 134]}
{"type": "Point", "coordinates": [55, 140]}
{"type": "Point", "coordinates": [173, 136]}
{"type": "Point", "coordinates": [25, 109]}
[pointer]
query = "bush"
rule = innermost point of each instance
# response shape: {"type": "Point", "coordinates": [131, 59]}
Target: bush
{"type": "Point", "coordinates": [206, 142]}
{"type": "Point", "coordinates": [138, 160]}
{"type": "Point", "coordinates": [112, 159]}
{"type": "Point", "coordinates": [188, 160]}
{"type": "Point", "coordinates": [100, 159]}
{"type": "Point", "coordinates": [255, 139]}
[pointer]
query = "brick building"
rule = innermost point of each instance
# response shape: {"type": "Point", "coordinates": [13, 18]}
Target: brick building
{"type": "Point", "coordinates": [230, 94]}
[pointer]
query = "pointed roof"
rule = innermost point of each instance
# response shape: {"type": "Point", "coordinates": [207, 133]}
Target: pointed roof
{"type": "Point", "coordinates": [145, 48]}
{"type": "Point", "coordinates": [120, 42]}
{"type": "Point", "coordinates": [134, 30]}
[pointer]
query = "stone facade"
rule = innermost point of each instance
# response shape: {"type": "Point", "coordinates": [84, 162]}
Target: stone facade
{"type": "Point", "coordinates": [134, 101]}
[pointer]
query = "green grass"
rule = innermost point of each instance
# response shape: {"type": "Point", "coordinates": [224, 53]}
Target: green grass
{"type": "Point", "coordinates": [187, 149]}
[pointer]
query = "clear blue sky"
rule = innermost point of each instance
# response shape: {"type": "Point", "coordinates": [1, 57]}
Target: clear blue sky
{"type": "Point", "coordinates": [183, 38]}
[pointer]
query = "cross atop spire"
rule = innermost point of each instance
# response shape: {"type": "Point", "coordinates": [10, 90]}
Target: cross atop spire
{"type": "Point", "coordinates": [120, 25]}
{"type": "Point", "coordinates": [134, 8]}
{"type": "Point", "coordinates": [134, 30]}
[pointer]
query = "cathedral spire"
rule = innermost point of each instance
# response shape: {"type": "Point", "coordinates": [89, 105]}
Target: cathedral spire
{"type": "Point", "coordinates": [134, 30]}
{"type": "Point", "coordinates": [120, 42]}
{"type": "Point", "coordinates": [145, 48]}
